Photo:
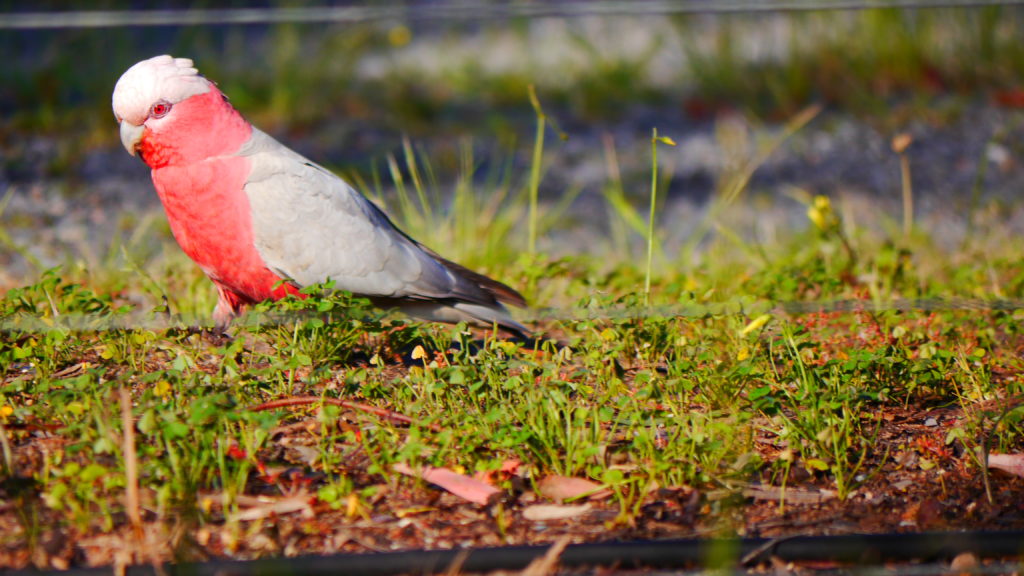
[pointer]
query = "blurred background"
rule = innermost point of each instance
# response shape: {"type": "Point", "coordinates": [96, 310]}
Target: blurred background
{"type": "Point", "coordinates": [425, 106]}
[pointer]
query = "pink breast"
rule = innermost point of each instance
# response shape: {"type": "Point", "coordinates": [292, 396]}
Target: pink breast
{"type": "Point", "coordinates": [209, 216]}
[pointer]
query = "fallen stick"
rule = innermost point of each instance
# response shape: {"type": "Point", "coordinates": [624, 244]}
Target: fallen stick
{"type": "Point", "coordinates": [307, 400]}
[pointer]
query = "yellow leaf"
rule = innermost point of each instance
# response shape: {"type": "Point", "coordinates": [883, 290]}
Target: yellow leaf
{"type": "Point", "coordinates": [352, 505]}
{"type": "Point", "coordinates": [418, 353]}
{"type": "Point", "coordinates": [816, 464]}
{"type": "Point", "coordinates": [756, 324]}
{"type": "Point", "coordinates": [405, 512]}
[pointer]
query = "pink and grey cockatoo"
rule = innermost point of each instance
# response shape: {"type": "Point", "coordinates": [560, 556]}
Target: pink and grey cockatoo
{"type": "Point", "coordinates": [252, 212]}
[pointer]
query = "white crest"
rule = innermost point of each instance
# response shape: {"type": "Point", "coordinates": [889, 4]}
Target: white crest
{"type": "Point", "coordinates": [149, 81]}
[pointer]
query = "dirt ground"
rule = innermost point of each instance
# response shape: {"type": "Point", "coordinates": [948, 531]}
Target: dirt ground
{"type": "Point", "coordinates": [917, 482]}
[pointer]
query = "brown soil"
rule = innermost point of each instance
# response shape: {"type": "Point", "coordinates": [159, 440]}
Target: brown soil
{"type": "Point", "coordinates": [919, 484]}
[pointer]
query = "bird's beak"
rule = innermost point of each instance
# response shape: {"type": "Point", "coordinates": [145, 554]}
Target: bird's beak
{"type": "Point", "coordinates": [131, 136]}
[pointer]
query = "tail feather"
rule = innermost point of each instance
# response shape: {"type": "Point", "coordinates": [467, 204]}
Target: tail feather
{"type": "Point", "coordinates": [493, 315]}
{"type": "Point", "coordinates": [501, 292]}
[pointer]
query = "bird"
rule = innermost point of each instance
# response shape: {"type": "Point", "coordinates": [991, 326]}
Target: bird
{"type": "Point", "coordinates": [262, 221]}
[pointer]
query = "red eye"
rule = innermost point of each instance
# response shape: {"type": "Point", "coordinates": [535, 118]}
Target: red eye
{"type": "Point", "coordinates": [160, 109]}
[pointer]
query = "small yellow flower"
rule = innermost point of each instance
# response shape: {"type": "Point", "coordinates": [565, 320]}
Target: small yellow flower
{"type": "Point", "coordinates": [418, 353]}
{"type": "Point", "coordinates": [399, 36]}
{"type": "Point", "coordinates": [5, 411]}
{"type": "Point", "coordinates": [821, 214]}
{"type": "Point", "coordinates": [162, 389]}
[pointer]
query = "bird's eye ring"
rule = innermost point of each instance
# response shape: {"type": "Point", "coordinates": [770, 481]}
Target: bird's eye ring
{"type": "Point", "coordinates": [160, 109]}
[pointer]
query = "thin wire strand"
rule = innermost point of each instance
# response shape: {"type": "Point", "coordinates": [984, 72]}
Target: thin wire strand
{"type": "Point", "coordinates": [447, 11]}
{"type": "Point", "coordinates": [25, 323]}
{"type": "Point", "coordinates": [456, 11]}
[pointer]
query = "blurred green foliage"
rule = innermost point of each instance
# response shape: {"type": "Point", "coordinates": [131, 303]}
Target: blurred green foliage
{"type": "Point", "coordinates": [295, 75]}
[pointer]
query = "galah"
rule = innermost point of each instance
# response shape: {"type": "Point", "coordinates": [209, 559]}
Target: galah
{"type": "Point", "coordinates": [262, 221]}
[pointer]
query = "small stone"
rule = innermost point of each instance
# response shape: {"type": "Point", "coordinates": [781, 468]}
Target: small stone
{"type": "Point", "coordinates": [931, 422]}
{"type": "Point", "coordinates": [964, 562]}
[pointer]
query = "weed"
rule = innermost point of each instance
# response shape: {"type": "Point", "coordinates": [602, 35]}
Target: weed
{"type": "Point", "coordinates": [701, 380]}
{"type": "Point", "coordinates": [655, 140]}
{"type": "Point", "coordinates": [823, 418]}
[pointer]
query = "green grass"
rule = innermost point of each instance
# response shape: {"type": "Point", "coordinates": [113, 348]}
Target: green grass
{"type": "Point", "coordinates": [867, 62]}
{"type": "Point", "coordinates": [634, 398]}
{"type": "Point", "coordinates": [674, 370]}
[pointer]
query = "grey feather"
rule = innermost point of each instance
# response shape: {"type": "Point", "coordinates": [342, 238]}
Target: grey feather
{"type": "Point", "coordinates": [310, 226]}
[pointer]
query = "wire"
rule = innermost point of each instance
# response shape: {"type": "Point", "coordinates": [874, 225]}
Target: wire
{"type": "Point", "coordinates": [447, 11]}
{"type": "Point", "coordinates": [20, 322]}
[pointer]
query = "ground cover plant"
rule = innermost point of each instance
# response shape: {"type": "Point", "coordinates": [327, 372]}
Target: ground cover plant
{"type": "Point", "coordinates": [830, 375]}
{"type": "Point", "coordinates": [709, 410]}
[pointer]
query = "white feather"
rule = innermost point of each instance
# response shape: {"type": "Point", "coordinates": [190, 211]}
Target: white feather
{"type": "Point", "coordinates": [159, 78]}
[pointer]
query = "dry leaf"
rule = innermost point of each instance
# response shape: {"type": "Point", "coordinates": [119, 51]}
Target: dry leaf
{"type": "Point", "coordinates": [964, 562]}
{"type": "Point", "coordinates": [554, 512]}
{"type": "Point", "coordinates": [1011, 98]}
{"type": "Point", "coordinates": [547, 563]}
{"type": "Point", "coordinates": [458, 484]}
{"type": "Point", "coordinates": [507, 470]}
{"type": "Point", "coordinates": [264, 508]}
{"type": "Point", "coordinates": [901, 142]}
{"type": "Point", "coordinates": [306, 454]}
{"type": "Point", "coordinates": [562, 488]}
{"type": "Point", "coordinates": [789, 495]}
{"type": "Point", "coordinates": [1012, 463]}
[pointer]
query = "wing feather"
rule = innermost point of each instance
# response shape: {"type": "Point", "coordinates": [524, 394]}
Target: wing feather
{"type": "Point", "coordinates": [310, 226]}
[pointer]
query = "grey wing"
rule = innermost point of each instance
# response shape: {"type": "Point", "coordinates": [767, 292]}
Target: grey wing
{"type": "Point", "coordinates": [310, 226]}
